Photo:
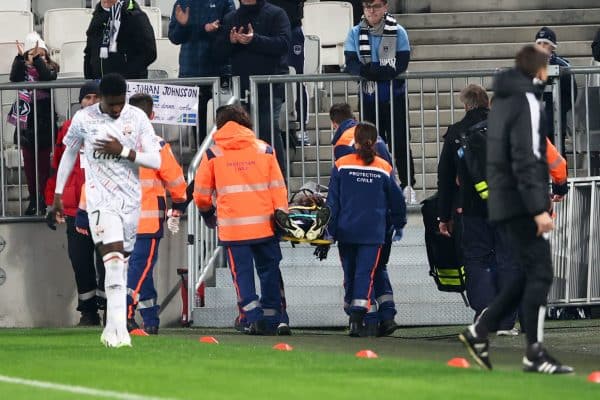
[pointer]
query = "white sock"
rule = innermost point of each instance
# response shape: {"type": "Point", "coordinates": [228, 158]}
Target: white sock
{"type": "Point", "coordinates": [116, 291]}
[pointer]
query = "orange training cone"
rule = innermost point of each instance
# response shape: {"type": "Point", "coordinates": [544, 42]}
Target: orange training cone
{"type": "Point", "coordinates": [283, 347]}
{"type": "Point", "coordinates": [139, 332]}
{"type": "Point", "coordinates": [594, 377]}
{"type": "Point", "coordinates": [366, 354]}
{"type": "Point", "coordinates": [208, 339]}
{"type": "Point", "coordinates": [458, 362]}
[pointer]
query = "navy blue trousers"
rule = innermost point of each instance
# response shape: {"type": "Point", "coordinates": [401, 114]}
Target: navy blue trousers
{"type": "Point", "coordinates": [141, 293]}
{"type": "Point", "coordinates": [265, 257]}
{"type": "Point", "coordinates": [490, 265]}
{"type": "Point", "coordinates": [360, 262]}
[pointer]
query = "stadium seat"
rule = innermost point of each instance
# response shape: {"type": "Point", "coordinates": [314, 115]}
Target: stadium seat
{"type": "Point", "coordinates": [312, 55]}
{"type": "Point", "coordinates": [15, 5]}
{"type": "Point", "coordinates": [65, 25]}
{"type": "Point", "coordinates": [40, 7]}
{"type": "Point", "coordinates": [155, 18]}
{"type": "Point", "coordinates": [165, 6]}
{"type": "Point", "coordinates": [167, 58]}
{"type": "Point", "coordinates": [8, 51]}
{"type": "Point", "coordinates": [330, 21]}
{"type": "Point", "coordinates": [71, 58]}
{"type": "Point", "coordinates": [15, 25]}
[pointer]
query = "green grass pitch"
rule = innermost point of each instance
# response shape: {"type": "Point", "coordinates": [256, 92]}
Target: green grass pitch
{"type": "Point", "coordinates": [175, 365]}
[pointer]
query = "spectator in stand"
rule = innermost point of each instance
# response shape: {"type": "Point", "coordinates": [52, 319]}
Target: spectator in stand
{"type": "Point", "coordinates": [546, 40]}
{"type": "Point", "coordinates": [295, 12]}
{"type": "Point", "coordinates": [34, 132]}
{"type": "Point", "coordinates": [377, 49]}
{"type": "Point", "coordinates": [255, 38]}
{"type": "Point", "coordinates": [120, 40]}
{"type": "Point", "coordinates": [80, 245]}
{"type": "Point", "coordinates": [489, 264]}
{"type": "Point", "coordinates": [194, 25]}
{"type": "Point", "coordinates": [596, 46]}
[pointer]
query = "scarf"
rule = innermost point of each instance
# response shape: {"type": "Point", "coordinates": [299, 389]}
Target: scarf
{"type": "Point", "coordinates": [23, 106]}
{"type": "Point", "coordinates": [387, 28]}
{"type": "Point", "coordinates": [111, 31]}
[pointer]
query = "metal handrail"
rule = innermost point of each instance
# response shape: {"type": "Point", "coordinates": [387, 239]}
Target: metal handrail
{"type": "Point", "coordinates": [198, 233]}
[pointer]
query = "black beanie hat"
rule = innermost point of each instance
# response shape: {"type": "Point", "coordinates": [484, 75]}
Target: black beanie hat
{"type": "Point", "coordinates": [88, 88]}
{"type": "Point", "coordinates": [546, 35]}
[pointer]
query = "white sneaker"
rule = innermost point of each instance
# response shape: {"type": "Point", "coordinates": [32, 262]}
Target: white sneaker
{"type": "Point", "coordinates": [303, 138]}
{"type": "Point", "coordinates": [410, 196]}
{"type": "Point", "coordinates": [112, 338]}
{"type": "Point", "coordinates": [508, 332]}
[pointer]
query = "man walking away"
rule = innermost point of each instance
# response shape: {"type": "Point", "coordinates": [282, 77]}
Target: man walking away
{"type": "Point", "coordinates": [519, 200]}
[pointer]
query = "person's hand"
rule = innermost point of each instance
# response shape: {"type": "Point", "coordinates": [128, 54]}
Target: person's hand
{"type": "Point", "coordinates": [20, 49]}
{"type": "Point", "coordinates": [321, 251]}
{"type": "Point", "coordinates": [109, 146]}
{"type": "Point", "coordinates": [234, 35]}
{"type": "Point", "coordinates": [51, 219]}
{"type": "Point", "coordinates": [397, 235]}
{"type": "Point", "coordinates": [181, 16]}
{"type": "Point", "coordinates": [245, 38]}
{"type": "Point", "coordinates": [544, 223]}
{"type": "Point", "coordinates": [173, 220]}
{"type": "Point", "coordinates": [557, 198]}
{"type": "Point", "coordinates": [212, 26]}
{"type": "Point", "coordinates": [57, 206]}
{"type": "Point", "coordinates": [210, 220]}
{"type": "Point", "coordinates": [446, 228]}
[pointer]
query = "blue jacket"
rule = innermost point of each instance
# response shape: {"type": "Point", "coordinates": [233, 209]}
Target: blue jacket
{"type": "Point", "coordinates": [360, 198]}
{"type": "Point", "coordinates": [267, 53]}
{"type": "Point", "coordinates": [197, 46]}
{"type": "Point", "coordinates": [376, 72]}
{"type": "Point", "coordinates": [343, 142]}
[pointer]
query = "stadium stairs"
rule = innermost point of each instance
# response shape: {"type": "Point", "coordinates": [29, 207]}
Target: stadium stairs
{"type": "Point", "coordinates": [445, 36]}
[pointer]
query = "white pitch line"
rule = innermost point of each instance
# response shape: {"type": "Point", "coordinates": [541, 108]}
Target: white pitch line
{"type": "Point", "coordinates": [77, 389]}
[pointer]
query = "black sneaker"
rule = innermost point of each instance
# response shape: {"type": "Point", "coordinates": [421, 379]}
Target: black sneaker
{"type": "Point", "coordinates": [356, 325]}
{"type": "Point", "coordinates": [478, 348]}
{"type": "Point", "coordinates": [387, 327]}
{"type": "Point", "coordinates": [537, 359]}
{"type": "Point", "coordinates": [132, 325]}
{"type": "Point", "coordinates": [370, 330]}
{"type": "Point", "coordinates": [321, 220]}
{"type": "Point", "coordinates": [283, 329]}
{"type": "Point", "coordinates": [240, 326]}
{"type": "Point", "coordinates": [258, 328]}
{"type": "Point", "coordinates": [89, 319]}
{"type": "Point", "coordinates": [151, 330]}
{"type": "Point", "coordinates": [290, 227]}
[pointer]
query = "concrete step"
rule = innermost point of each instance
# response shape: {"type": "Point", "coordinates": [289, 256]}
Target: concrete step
{"type": "Point", "coordinates": [416, 118]}
{"type": "Point", "coordinates": [515, 34]}
{"type": "Point", "coordinates": [466, 65]}
{"type": "Point", "coordinates": [500, 18]}
{"type": "Point", "coordinates": [450, 312]}
{"type": "Point", "coordinates": [414, 100]}
{"type": "Point", "coordinates": [486, 51]}
{"type": "Point", "coordinates": [443, 6]}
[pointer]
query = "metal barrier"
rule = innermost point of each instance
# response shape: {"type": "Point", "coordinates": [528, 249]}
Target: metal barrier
{"type": "Point", "coordinates": [574, 243]}
{"type": "Point", "coordinates": [62, 94]}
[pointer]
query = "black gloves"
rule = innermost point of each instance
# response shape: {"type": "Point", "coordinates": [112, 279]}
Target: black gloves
{"type": "Point", "coordinates": [321, 251]}
{"type": "Point", "coordinates": [51, 219]}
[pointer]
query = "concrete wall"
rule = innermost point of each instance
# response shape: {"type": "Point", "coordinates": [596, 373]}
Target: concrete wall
{"type": "Point", "coordinates": [39, 288]}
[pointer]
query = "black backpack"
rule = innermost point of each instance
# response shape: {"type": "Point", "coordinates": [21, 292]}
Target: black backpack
{"type": "Point", "coordinates": [471, 153]}
{"type": "Point", "coordinates": [445, 263]}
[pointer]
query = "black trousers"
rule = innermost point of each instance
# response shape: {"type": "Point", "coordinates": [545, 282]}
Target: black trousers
{"type": "Point", "coordinates": [82, 254]}
{"type": "Point", "coordinates": [401, 150]}
{"type": "Point", "coordinates": [531, 289]}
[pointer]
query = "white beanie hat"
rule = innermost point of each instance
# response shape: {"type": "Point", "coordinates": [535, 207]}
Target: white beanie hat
{"type": "Point", "coordinates": [30, 41]}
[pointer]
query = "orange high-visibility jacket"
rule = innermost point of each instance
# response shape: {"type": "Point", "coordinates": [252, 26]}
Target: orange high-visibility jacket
{"type": "Point", "coordinates": [153, 183]}
{"type": "Point", "coordinates": [243, 173]}
{"type": "Point", "coordinates": [557, 165]}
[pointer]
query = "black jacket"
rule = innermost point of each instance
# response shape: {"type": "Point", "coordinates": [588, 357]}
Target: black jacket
{"type": "Point", "coordinates": [136, 45]}
{"type": "Point", "coordinates": [293, 8]}
{"type": "Point", "coordinates": [517, 170]}
{"type": "Point", "coordinates": [267, 53]}
{"type": "Point", "coordinates": [449, 167]}
{"type": "Point", "coordinates": [596, 46]}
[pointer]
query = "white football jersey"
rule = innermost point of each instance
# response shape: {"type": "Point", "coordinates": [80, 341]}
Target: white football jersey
{"type": "Point", "coordinates": [111, 181]}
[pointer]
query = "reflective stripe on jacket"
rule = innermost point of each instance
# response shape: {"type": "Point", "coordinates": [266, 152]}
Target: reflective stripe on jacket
{"type": "Point", "coordinates": [243, 173]}
{"type": "Point", "coordinates": [154, 182]}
